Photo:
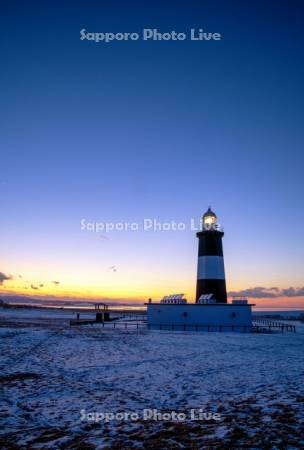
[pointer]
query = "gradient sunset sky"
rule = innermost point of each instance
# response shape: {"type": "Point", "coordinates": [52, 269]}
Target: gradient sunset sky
{"type": "Point", "coordinates": [126, 131]}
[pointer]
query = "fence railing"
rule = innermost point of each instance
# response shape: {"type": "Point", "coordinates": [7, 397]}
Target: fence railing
{"type": "Point", "coordinates": [209, 328]}
{"type": "Point", "coordinates": [269, 323]}
{"type": "Point", "coordinates": [175, 327]}
{"type": "Point", "coordinates": [258, 326]}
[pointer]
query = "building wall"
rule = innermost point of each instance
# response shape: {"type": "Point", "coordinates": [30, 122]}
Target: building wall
{"type": "Point", "coordinates": [191, 315]}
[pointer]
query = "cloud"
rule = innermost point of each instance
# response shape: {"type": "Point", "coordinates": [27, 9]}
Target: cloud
{"type": "Point", "coordinates": [4, 277]}
{"type": "Point", "coordinates": [293, 292]}
{"type": "Point", "coordinates": [34, 287]}
{"type": "Point", "coordinates": [273, 292]}
{"type": "Point", "coordinates": [56, 282]}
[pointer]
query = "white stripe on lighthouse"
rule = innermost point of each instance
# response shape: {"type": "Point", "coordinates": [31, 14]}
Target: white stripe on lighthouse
{"type": "Point", "coordinates": [210, 267]}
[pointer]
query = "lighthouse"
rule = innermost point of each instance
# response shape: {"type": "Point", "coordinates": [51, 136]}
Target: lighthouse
{"type": "Point", "coordinates": [210, 267]}
{"type": "Point", "coordinates": [211, 311]}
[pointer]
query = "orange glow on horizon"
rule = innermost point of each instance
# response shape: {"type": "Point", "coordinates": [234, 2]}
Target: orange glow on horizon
{"type": "Point", "coordinates": [120, 286]}
{"type": "Point", "coordinates": [139, 296]}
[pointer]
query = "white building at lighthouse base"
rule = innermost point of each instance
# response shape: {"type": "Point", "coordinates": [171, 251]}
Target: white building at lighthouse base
{"type": "Point", "coordinates": [174, 313]}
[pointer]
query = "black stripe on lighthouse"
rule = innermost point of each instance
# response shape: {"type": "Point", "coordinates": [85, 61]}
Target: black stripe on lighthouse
{"type": "Point", "coordinates": [210, 267]}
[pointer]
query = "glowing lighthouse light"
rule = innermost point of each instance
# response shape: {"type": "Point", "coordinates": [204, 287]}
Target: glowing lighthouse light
{"type": "Point", "coordinates": [209, 219]}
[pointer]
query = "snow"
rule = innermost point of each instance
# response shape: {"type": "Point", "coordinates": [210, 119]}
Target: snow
{"type": "Point", "coordinates": [50, 372]}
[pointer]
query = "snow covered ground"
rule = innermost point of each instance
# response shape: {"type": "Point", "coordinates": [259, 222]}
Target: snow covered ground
{"type": "Point", "coordinates": [53, 377]}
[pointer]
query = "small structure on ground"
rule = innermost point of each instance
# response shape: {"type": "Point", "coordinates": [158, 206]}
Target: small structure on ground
{"type": "Point", "coordinates": [102, 313]}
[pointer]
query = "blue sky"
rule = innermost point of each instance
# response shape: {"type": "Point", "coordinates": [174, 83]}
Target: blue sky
{"type": "Point", "coordinates": [130, 130]}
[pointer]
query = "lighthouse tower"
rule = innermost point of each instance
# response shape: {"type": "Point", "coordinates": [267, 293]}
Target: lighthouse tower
{"type": "Point", "coordinates": [210, 267]}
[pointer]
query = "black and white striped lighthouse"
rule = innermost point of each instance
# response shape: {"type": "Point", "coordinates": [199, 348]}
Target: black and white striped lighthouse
{"type": "Point", "coordinates": [210, 266]}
